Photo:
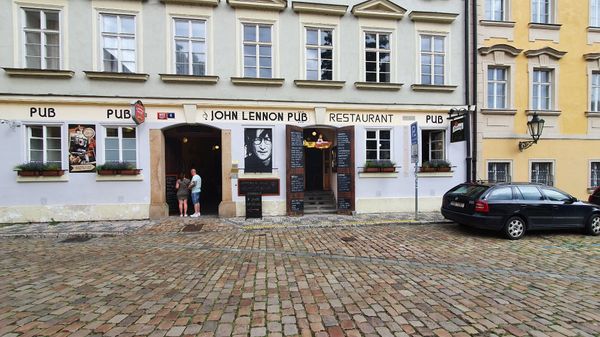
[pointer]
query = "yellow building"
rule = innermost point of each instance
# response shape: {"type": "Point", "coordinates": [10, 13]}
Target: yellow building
{"type": "Point", "coordinates": [539, 57]}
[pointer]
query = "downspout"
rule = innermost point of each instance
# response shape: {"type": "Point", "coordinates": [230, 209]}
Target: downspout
{"type": "Point", "coordinates": [467, 74]}
{"type": "Point", "coordinates": [474, 96]}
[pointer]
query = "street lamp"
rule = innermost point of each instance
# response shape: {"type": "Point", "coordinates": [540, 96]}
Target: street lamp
{"type": "Point", "coordinates": [535, 127]}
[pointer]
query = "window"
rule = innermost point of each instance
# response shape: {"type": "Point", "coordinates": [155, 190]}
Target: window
{"type": "Point", "coordinates": [120, 144]}
{"type": "Point", "coordinates": [554, 195]}
{"type": "Point", "coordinates": [118, 43]}
{"type": "Point", "coordinates": [541, 173]}
{"type": "Point", "coordinates": [258, 55]}
{"type": "Point", "coordinates": [497, 84]}
{"type": "Point", "coordinates": [501, 193]}
{"type": "Point", "coordinates": [529, 193]}
{"type": "Point", "coordinates": [499, 172]}
{"type": "Point", "coordinates": [379, 145]}
{"type": "Point", "coordinates": [495, 9]}
{"type": "Point", "coordinates": [44, 144]}
{"type": "Point", "coordinates": [190, 47]}
{"type": "Point", "coordinates": [319, 54]}
{"type": "Point", "coordinates": [42, 38]}
{"type": "Point", "coordinates": [595, 106]}
{"type": "Point", "coordinates": [595, 174]}
{"type": "Point", "coordinates": [377, 57]}
{"type": "Point", "coordinates": [433, 145]}
{"type": "Point", "coordinates": [542, 89]}
{"type": "Point", "coordinates": [541, 11]}
{"type": "Point", "coordinates": [595, 13]}
{"type": "Point", "coordinates": [433, 56]}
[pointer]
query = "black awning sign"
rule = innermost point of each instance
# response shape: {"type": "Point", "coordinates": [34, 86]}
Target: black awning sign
{"type": "Point", "coordinates": [457, 130]}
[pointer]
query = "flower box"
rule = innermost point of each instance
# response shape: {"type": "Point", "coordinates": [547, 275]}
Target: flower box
{"type": "Point", "coordinates": [371, 169]}
{"type": "Point", "coordinates": [117, 168]}
{"type": "Point", "coordinates": [39, 169]}
{"type": "Point", "coordinates": [376, 166]}
{"type": "Point", "coordinates": [388, 169]}
{"type": "Point", "coordinates": [127, 172]}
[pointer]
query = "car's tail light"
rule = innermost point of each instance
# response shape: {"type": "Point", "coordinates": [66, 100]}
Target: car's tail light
{"type": "Point", "coordinates": [482, 206]}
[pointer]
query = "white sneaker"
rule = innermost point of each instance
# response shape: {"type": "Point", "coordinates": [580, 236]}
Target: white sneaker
{"type": "Point", "coordinates": [181, 215]}
{"type": "Point", "coordinates": [195, 215]}
{"type": "Point", "coordinates": [186, 215]}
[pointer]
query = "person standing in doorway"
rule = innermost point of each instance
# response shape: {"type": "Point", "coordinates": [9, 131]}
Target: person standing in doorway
{"type": "Point", "coordinates": [196, 188]}
{"type": "Point", "coordinates": [182, 194]}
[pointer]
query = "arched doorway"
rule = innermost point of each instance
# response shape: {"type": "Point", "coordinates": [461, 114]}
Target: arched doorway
{"type": "Point", "coordinates": [199, 147]}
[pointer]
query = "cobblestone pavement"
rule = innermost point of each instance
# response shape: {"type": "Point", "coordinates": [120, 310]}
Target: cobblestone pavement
{"type": "Point", "coordinates": [386, 280]}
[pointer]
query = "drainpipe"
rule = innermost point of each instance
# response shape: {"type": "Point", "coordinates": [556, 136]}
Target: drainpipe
{"type": "Point", "coordinates": [474, 96]}
{"type": "Point", "coordinates": [467, 74]}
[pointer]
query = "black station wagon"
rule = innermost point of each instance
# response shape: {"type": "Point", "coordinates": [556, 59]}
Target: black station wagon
{"type": "Point", "coordinates": [517, 207]}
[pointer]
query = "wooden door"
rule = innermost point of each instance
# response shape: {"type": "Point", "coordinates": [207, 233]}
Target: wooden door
{"type": "Point", "coordinates": [345, 170]}
{"type": "Point", "coordinates": [295, 173]}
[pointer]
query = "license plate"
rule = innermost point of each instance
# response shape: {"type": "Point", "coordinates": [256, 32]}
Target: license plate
{"type": "Point", "coordinates": [457, 204]}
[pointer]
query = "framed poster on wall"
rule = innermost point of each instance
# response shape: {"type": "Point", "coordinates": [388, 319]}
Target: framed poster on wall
{"type": "Point", "coordinates": [82, 148]}
{"type": "Point", "coordinates": [258, 145]}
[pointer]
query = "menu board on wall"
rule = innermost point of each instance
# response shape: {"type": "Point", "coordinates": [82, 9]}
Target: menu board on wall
{"type": "Point", "coordinates": [344, 182]}
{"type": "Point", "coordinates": [343, 150]}
{"type": "Point", "coordinates": [253, 205]}
{"type": "Point", "coordinates": [294, 182]}
{"type": "Point", "coordinates": [297, 183]}
{"type": "Point", "coordinates": [296, 150]}
{"type": "Point", "coordinates": [261, 186]}
{"type": "Point", "coordinates": [297, 205]}
{"type": "Point", "coordinates": [171, 192]}
{"type": "Point", "coordinates": [344, 204]}
{"type": "Point", "coordinates": [345, 170]}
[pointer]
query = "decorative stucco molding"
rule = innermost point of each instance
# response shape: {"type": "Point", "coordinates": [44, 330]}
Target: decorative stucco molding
{"type": "Point", "coordinates": [211, 3]}
{"type": "Point", "coordinates": [317, 8]}
{"type": "Point", "coordinates": [271, 82]}
{"type": "Point", "coordinates": [106, 75]}
{"type": "Point", "coordinates": [435, 17]}
{"type": "Point", "coordinates": [548, 26]}
{"type": "Point", "coordinates": [189, 79]}
{"type": "Point", "coordinates": [500, 47]}
{"type": "Point", "coordinates": [493, 23]}
{"type": "Point", "coordinates": [47, 73]}
{"type": "Point", "coordinates": [591, 56]}
{"type": "Point", "coordinates": [378, 86]}
{"type": "Point", "coordinates": [430, 87]}
{"type": "Point", "coordinates": [320, 84]}
{"type": "Point", "coordinates": [380, 9]}
{"type": "Point", "coordinates": [556, 54]}
{"type": "Point", "coordinates": [274, 5]}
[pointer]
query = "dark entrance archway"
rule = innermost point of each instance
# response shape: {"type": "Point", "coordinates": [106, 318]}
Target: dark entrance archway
{"type": "Point", "coordinates": [199, 147]}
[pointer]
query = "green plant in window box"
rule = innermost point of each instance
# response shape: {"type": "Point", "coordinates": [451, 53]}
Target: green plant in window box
{"type": "Point", "coordinates": [117, 167]}
{"type": "Point", "coordinates": [38, 168]}
{"type": "Point", "coordinates": [380, 166]}
{"type": "Point", "coordinates": [440, 165]}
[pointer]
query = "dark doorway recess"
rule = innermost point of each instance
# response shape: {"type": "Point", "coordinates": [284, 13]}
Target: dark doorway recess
{"type": "Point", "coordinates": [314, 169]}
{"type": "Point", "coordinates": [199, 147]}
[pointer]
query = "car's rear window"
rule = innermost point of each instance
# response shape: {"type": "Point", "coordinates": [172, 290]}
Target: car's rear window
{"type": "Point", "coordinates": [472, 191]}
{"type": "Point", "coordinates": [529, 193]}
{"type": "Point", "coordinates": [500, 193]}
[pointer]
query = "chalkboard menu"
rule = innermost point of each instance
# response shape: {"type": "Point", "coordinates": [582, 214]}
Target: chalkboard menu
{"type": "Point", "coordinates": [296, 149]}
{"type": "Point", "coordinates": [253, 205]}
{"type": "Point", "coordinates": [171, 192]}
{"type": "Point", "coordinates": [344, 182]}
{"type": "Point", "coordinates": [261, 186]}
{"type": "Point", "coordinates": [297, 183]}
{"type": "Point", "coordinates": [344, 204]}
{"type": "Point", "coordinates": [297, 205]}
{"type": "Point", "coordinates": [343, 150]}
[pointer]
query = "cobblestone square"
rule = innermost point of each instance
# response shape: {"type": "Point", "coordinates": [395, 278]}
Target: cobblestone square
{"type": "Point", "coordinates": [371, 280]}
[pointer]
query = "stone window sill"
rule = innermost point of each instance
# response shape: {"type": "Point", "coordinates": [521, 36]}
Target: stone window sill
{"type": "Point", "coordinates": [320, 84]}
{"type": "Point", "coordinates": [493, 23]}
{"type": "Point", "coordinates": [498, 111]}
{"type": "Point", "coordinates": [546, 26]}
{"type": "Point", "coordinates": [105, 75]}
{"type": "Point", "coordinates": [378, 174]}
{"type": "Point", "coordinates": [175, 78]}
{"type": "Point", "coordinates": [543, 112]}
{"type": "Point", "coordinates": [436, 88]}
{"type": "Point", "coordinates": [592, 114]}
{"type": "Point", "coordinates": [262, 5]}
{"type": "Point", "coordinates": [46, 73]}
{"type": "Point", "coordinates": [593, 29]}
{"type": "Point", "coordinates": [378, 86]}
{"type": "Point", "coordinates": [43, 179]}
{"type": "Point", "coordinates": [118, 177]}
{"type": "Point", "coordinates": [435, 174]}
{"type": "Point", "coordinates": [255, 81]}
{"type": "Point", "coordinates": [211, 3]}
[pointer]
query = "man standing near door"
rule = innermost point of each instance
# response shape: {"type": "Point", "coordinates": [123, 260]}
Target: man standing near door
{"type": "Point", "coordinates": [196, 188]}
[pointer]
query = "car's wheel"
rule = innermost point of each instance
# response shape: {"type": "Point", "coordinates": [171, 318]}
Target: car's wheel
{"type": "Point", "coordinates": [514, 228]}
{"type": "Point", "coordinates": [593, 225]}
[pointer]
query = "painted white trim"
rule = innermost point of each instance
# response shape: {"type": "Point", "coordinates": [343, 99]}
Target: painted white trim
{"type": "Point", "coordinates": [393, 52]}
{"type": "Point", "coordinates": [500, 161]}
{"type": "Point", "coordinates": [551, 161]}
{"type": "Point", "coordinates": [447, 63]}
{"type": "Point", "coordinates": [590, 168]}
{"type": "Point", "coordinates": [377, 130]}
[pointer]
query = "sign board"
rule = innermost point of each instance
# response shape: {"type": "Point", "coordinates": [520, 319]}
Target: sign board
{"type": "Point", "coordinates": [139, 112]}
{"type": "Point", "coordinates": [414, 143]}
{"type": "Point", "coordinates": [170, 183]}
{"type": "Point", "coordinates": [253, 205]}
{"type": "Point", "coordinates": [345, 170]}
{"type": "Point", "coordinates": [261, 186]}
{"type": "Point", "coordinates": [457, 130]}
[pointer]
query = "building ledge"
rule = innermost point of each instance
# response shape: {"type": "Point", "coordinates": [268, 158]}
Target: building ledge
{"type": "Point", "coordinates": [317, 8]}
{"type": "Point", "coordinates": [592, 114]}
{"type": "Point", "coordinates": [593, 29]}
{"type": "Point", "coordinates": [43, 179]}
{"type": "Point", "coordinates": [547, 26]}
{"type": "Point", "coordinates": [105, 75]}
{"type": "Point", "coordinates": [274, 5]}
{"type": "Point", "coordinates": [498, 111]}
{"type": "Point", "coordinates": [378, 86]}
{"type": "Point", "coordinates": [46, 73]}
{"type": "Point", "coordinates": [255, 81]}
{"type": "Point", "coordinates": [435, 174]}
{"type": "Point", "coordinates": [543, 112]}
{"type": "Point", "coordinates": [379, 9]}
{"type": "Point", "coordinates": [435, 17]}
{"type": "Point", "coordinates": [189, 79]}
{"type": "Point", "coordinates": [493, 23]}
{"type": "Point", "coordinates": [378, 175]}
{"type": "Point", "coordinates": [320, 84]}
{"type": "Point", "coordinates": [119, 177]}
{"type": "Point", "coordinates": [431, 87]}
{"type": "Point", "coordinates": [212, 3]}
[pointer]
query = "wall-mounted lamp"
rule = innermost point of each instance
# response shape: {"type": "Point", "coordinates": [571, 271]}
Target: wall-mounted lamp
{"type": "Point", "coordinates": [184, 140]}
{"type": "Point", "coordinates": [216, 148]}
{"type": "Point", "coordinates": [535, 127]}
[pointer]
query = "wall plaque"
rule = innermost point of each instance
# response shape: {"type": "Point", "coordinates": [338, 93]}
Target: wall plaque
{"type": "Point", "coordinates": [261, 186]}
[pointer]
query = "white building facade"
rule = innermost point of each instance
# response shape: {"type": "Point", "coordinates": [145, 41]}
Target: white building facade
{"type": "Point", "coordinates": [315, 92]}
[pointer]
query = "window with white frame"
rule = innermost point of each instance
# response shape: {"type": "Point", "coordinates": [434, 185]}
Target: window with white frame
{"type": "Point", "coordinates": [118, 43]}
{"type": "Point", "coordinates": [258, 50]}
{"type": "Point", "coordinates": [595, 104]}
{"type": "Point", "coordinates": [379, 144]}
{"type": "Point", "coordinates": [542, 173]}
{"type": "Point", "coordinates": [319, 54]}
{"type": "Point", "coordinates": [595, 13]}
{"type": "Point", "coordinates": [542, 89]}
{"type": "Point", "coordinates": [433, 145]}
{"type": "Point", "coordinates": [496, 88]}
{"type": "Point", "coordinates": [499, 172]}
{"type": "Point", "coordinates": [190, 47]}
{"type": "Point", "coordinates": [41, 30]}
{"type": "Point", "coordinates": [495, 10]}
{"type": "Point", "coordinates": [44, 144]}
{"type": "Point", "coordinates": [120, 144]}
{"type": "Point", "coordinates": [433, 59]}
{"type": "Point", "coordinates": [595, 174]}
{"type": "Point", "coordinates": [377, 57]}
{"type": "Point", "coordinates": [542, 11]}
